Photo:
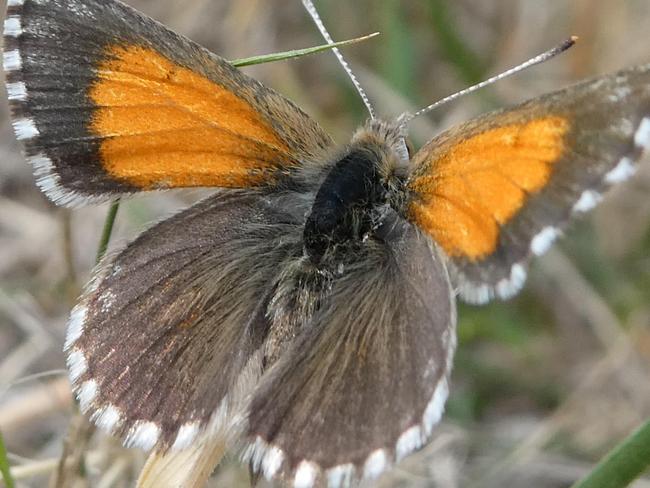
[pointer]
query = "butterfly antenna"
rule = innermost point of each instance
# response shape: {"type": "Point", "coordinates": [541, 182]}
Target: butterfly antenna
{"type": "Point", "coordinates": [309, 6]}
{"type": "Point", "coordinates": [545, 56]}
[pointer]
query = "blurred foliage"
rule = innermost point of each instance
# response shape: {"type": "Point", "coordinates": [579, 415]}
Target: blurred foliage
{"type": "Point", "coordinates": [4, 465]}
{"type": "Point", "coordinates": [456, 52]}
{"type": "Point", "coordinates": [625, 463]}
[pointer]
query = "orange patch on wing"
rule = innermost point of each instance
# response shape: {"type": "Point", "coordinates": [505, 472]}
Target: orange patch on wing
{"type": "Point", "coordinates": [480, 183]}
{"type": "Point", "coordinates": [167, 126]}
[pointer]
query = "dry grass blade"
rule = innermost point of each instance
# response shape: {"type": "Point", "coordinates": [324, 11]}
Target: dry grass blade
{"type": "Point", "coordinates": [34, 469]}
{"type": "Point", "coordinates": [189, 468]}
{"type": "Point", "coordinates": [70, 469]}
{"type": "Point", "coordinates": [36, 403]}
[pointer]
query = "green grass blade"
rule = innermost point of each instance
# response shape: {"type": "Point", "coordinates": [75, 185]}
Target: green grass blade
{"type": "Point", "coordinates": [296, 53]}
{"type": "Point", "coordinates": [109, 223]}
{"type": "Point", "coordinates": [623, 464]}
{"type": "Point", "coordinates": [4, 465]}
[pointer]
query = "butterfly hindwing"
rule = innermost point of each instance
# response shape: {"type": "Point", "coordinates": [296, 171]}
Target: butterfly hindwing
{"type": "Point", "coordinates": [164, 342]}
{"type": "Point", "coordinates": [108, 101]}
{"type": "Point", "coordinates": [366, 380]}
{"type": "Point", "coordinates": [502, 187]}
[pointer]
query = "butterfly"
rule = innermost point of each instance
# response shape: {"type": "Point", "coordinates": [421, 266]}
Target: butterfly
{"type": "Point", "coordinates": [308, 307]}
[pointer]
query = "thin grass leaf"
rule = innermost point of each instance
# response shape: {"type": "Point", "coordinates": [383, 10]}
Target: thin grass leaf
{"type": "Point", "coordinates": [296, 53]}
{"type": "Point", "coordinates": [4, 465]}
{"type": "Point", "coordinates": [623, 464]}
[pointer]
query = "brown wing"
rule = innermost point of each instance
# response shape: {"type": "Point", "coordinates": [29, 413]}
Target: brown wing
{"type": "Point", "coordinates": [502, 187]}
{"type": "Point", "coordinates": [366, 381]}
{"type": "Point", "coordinates": [108, 101]}
{"type": "Point", "coordinates": [164, 343]}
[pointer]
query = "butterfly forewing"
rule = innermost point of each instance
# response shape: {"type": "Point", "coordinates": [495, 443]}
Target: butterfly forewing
{"type": "Point", "coordinates": [501, 188]}
{"type": "Point", "coordinates": [108, 101]}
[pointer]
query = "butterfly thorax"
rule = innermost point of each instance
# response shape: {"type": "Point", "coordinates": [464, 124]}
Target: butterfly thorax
{"type": "Point", "coordinates": [357, 192]}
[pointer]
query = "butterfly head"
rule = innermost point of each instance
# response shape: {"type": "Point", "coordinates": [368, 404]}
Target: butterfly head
{"type": "Point", "coordinates": [388, 139]}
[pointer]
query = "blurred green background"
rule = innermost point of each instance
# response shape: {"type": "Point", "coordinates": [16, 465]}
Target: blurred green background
{"type": "Point", "coordinates": [543, 384]}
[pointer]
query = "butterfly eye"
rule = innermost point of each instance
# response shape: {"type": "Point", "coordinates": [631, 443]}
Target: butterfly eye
{"type": "Point", "coordinates": [409, 147]}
